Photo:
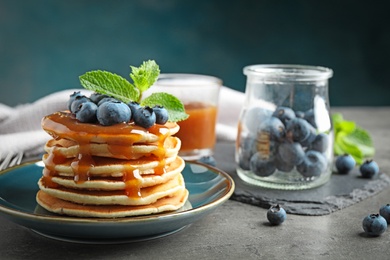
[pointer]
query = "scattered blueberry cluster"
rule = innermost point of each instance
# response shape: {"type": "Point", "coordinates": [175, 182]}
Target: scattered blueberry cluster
{"type": "Point", "coordinates": [283, 140]}
{"type": "Point", "coordinates": [345, 163]}
{"type": "Point", "coordinates": [376, 224]}
{"type": "Point", "coordinates": [276, 215]}
{"type": "Point", "coordinates": [107, 111]}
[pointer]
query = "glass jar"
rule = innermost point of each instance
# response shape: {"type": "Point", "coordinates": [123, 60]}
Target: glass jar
{"type": "Point", "coordinates": [285, 134]}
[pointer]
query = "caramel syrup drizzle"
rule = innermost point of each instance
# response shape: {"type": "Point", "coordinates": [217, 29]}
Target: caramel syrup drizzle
{"type": "Point", "coordinates": [63, 125]}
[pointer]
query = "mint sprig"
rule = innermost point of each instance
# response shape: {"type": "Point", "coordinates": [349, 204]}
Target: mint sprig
{"type": "Point", "coordinates": [108, 83]}
{"type": "Point", "coordinates": [143, 77]}
{"type": "Point", "coordinates": [171, 103]}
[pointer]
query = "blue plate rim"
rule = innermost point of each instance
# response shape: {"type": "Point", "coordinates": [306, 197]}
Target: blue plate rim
{"type": "Point", "coordinates": [129, 220]}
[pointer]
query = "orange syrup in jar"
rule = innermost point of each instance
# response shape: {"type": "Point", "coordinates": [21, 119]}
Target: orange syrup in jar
{"type": "Point", "coordinates": [198, 130]}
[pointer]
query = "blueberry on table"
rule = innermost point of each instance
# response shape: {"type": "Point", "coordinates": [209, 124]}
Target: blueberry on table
{"type": "Point", "coordinates": [161, 114]}
{"type": "Point", "coordinates": [261, 166]}
{"type": "Point", "coordinates": [374, 224]}
{"type": "Point", "coordinates": [369, 169]}
{"type": "Point", "coordinates": [144, 117]}
{"type": "Point", "coordinates": [285, 114]}
{"type": "Point", "coordinates": [314, 163]}
{"type": "Point", "coordinates": [291, 153]}
{"type": "Point", "coordinates": [87, 112]}
{"type": "Point", "coordinates": [113, 112]}
{"type": "Point", "coordinates": [345, 163]}
{"type": "Point", "coordinates": [384, 211]}
{"type": "Point", "coordinates": [276, 215]}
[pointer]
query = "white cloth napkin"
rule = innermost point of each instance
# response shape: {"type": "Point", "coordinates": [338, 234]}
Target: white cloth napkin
{"type": "Point", "coordinates": [20, 126]}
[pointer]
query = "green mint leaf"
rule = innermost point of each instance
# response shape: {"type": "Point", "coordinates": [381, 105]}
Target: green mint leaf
{"type": "Point", "coordinates": [346, 126]}
{"type": "Point", "coordinates": [362, 140]}
{"type": "Point", "coordinates": [337, 149]}
{"type": "Point", "coordinates": [171, 103]}
{"type": "Point", "coordinates": [351, 149]}
{"type": "Point", "coordinates": [351, 139]}
{"type": "Point", "coordinates": [111, 84]}
{"type": "Point", "coordinates": [337, 117]}
{"type": "Point", "coordinates": [340, 124]}
{"type": "Point", "coordinates": [145, 76]}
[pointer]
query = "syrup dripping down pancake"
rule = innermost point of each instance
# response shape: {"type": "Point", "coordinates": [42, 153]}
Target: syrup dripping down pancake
{"type": "Point", "coordinates": [117, 183]}
{"type": "Point", "coordinates": [64, 125]}
{"type": "Point", "coordinates": [70, 149]}
{"type": "Point", "coordinates": [146, 196]}
{"type": "Point", "coordinates": [110, 171]}
{"type": "Point", "coordinates": [107, 166]}
{"type": "Point", "coordinates": [62, 207]}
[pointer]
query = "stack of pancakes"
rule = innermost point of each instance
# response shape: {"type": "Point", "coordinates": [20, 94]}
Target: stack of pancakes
{"type": "Point", "coordinates": [110, 171]}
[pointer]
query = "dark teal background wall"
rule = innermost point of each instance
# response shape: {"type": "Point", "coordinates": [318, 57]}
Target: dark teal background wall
{"type": "Point", "coordinates": [45, 45]}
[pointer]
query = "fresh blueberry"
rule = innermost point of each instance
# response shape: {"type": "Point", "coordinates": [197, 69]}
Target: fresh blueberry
{"type": "Point", "coordinates": [273, 127]}
{"type": "Point", "coordinates": [285, 114]}
{"type": "Point", "coordinates": [253, 116]}
{"type": "Point", "coordinates": [314, 163]}
{"type": "Point", "coordinates": [369, 169]}
{"type": "Point", "coordinates": [110, 113]}
{"type": "Point", "coordinates": [96, 97]}
{"type": "Point", "coordinates": [207, 160]}
{"type": "Point", "coordinates": [374, 224]}
{"type": "Point", "coordinates": [299, 130]}
{"type": "Point", "coordinates": [144, 117]}
{"type": "Point", "coordinates": [310, 139]}
{"type": "Point", "coordinates": [246, 149]}
{"type": "Point", "coordinates": [299, 114]}
{"type": "Point", "coordinates": [320, 143]}
{"type": "Point", "coordinates": [345, 163]}
{"type": "Point", "coordinates": [291, 153]}
{"type": "Point", "coordinates": [309, 116]}
{"type": "Point", "coordinates": [282, 165]}
{"type": "Point", "coordinates": [261, 166]}
{"type": "Point", "coordinates": [72, 97]}
{"type": "Point", "coordinates": [384, 211]}
{"type": "Point", "coordinates": [161, 114]}
{"type": "Point", "coordinates": [87, 112]}
{"type": "Point", "coordinates": [133, 106]}
{"type": "Point", "coordinates": [77, 102]}
{"type": "Point", "coordinates": [276, 215]}
{"type": "Point", "coordinates": [106, 99]}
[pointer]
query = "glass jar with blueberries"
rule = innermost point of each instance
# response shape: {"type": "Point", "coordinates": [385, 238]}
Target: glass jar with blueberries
{"type": "Point", "coordinates": [285, 134]}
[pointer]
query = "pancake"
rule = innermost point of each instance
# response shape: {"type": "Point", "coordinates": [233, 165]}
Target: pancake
{"type": "Point", "coordinates": [118, 183]}
{"type": "Point", "coordinates": [64, 125]}
{"type": "Point", "coordinates": [62, 207]}
{"type": "Point", "coordinates": [110, 171]}
{"type": "Point", "coordinates": [146, 195]}
{"type": "Point", "coordinates": [70, 149]}
{"type": "Point", "coordinates": [108, 166]}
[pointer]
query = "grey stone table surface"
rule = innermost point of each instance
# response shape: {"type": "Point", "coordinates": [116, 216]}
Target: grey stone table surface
{"type": "Point", "coordinates": [239, 230]}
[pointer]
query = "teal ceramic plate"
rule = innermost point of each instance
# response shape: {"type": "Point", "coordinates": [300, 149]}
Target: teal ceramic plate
{"type": "Point", "coordinates": [208, 188]}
